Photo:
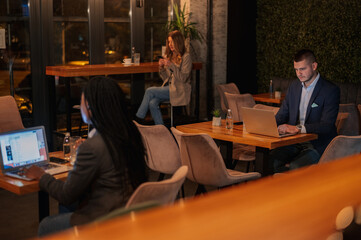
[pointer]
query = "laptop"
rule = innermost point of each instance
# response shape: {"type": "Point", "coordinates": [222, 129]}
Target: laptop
{"type": "Point", "coordinates": [24, 147]}
{"type": "Point", "coordinates": [262, 122]}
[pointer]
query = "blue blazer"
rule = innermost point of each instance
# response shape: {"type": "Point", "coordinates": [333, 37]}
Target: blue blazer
{"type": "Point", "coordinates": [321, 112]}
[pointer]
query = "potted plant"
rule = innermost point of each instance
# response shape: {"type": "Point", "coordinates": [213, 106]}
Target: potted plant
{"type": "Point", "coordinates": [183, 24]}
{"type": "Point", "coordinates": [216, 121]}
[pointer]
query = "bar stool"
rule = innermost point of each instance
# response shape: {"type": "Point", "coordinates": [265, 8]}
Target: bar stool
{"type": "Point", "coordinates": [172, 111]}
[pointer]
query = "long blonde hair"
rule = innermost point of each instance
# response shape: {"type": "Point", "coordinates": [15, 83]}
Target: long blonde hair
{"type": "Point", "coordinates": [178, 41]}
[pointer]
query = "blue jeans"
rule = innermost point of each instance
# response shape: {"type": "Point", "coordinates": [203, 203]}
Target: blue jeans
{"type": "Point", "coordinates": [152, 97]}
{"type": "Point", "coordinates": [55, 223]}
{"type": "Point", "coordinates": [296, 155]}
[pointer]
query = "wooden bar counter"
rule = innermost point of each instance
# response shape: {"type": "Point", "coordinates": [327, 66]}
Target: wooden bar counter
{"type": "Point", "coordinates": [302, 204]}
{"type": "Point", "coordinates": [137, 83]}
{"type": "Point", "coordinates": [106, 69]}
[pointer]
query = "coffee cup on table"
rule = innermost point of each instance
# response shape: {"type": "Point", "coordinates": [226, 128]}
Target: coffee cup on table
{"type": "Point", "coordinates": [127, 61]}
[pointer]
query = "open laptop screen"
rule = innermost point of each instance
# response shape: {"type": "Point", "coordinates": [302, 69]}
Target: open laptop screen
{"type": "Point", "coordinates": [23, 147]}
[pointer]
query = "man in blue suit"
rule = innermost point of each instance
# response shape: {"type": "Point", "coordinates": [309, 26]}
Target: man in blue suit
{"type": "Point", "coordinates": [311, 106]}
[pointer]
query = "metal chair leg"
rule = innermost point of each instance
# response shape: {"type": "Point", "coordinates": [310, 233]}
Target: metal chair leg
{"type": "Point", "coordinates": [171, 115]}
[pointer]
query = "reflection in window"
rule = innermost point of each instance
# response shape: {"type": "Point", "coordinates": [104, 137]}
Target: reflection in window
{"type": "Point", "coordinates": [71, 43]}
{"type": "Point", "coordinates": [116, 30]}
{"type": "Point", "coordinates": [71, 32]}
{"type": "Point", "coordinates": [116, 9]}
{"type": "Point", "coordinates": [117, 42]}
{"type": "Point", "coordinates": [156, 16]}
{"type": "Point", "coordinates": [15, 23]}
{"type": "Point", "coordinates": [70, 8]}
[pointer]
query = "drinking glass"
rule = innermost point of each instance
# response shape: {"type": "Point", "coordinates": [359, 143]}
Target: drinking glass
{"type": "Point", "coordinates": [136, 58]}
{"type": "Point", "coordinates": [75, 142]}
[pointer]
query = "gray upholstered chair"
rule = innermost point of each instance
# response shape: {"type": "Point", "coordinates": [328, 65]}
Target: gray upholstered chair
{"type": "Point", "coordinates": [162, 192]}
{"type": "Point", "coordinates": [351, 125]}
{"type": "Point", "coordinates": [243, 152]}
{"type": "Point", "coordinates": [340, 121]}
{"type": "Point", "coordinates": [162, 150]}
{"type": "Point", "coordinates": [236, 101]}
{"type": "Point", "coordinates": [10, 118]}
{"type": "Point", "coordinates": [223, 88]}
{"type": "Point", "coordinates": [206, 166]}
{"type": "Point", "coordinates": [341, 146]}
{"type": "Point", "coordinates": [359, 112]}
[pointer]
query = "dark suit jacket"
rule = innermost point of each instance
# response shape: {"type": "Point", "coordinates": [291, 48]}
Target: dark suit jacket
{"type": "Point", "coordinates": [94, 182]}
{"type": "Point", "coordinates": [321, 112]}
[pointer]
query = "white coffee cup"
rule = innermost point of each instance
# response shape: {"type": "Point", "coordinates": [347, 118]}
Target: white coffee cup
{"type": "Point", "coordinates": [127, 61]}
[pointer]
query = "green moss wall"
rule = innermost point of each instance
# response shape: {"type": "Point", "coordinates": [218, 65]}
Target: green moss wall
{"type": "Point", "coordinates": [331, 28]}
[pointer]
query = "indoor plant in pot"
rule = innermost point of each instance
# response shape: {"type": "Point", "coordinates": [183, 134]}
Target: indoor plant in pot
{"type": "Point", "coordinates": [216, 120]}
{"type": "Point", "coordinates": [183, 24]}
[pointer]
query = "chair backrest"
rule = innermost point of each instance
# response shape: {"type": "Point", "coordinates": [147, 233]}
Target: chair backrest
{"type": "Point", "coordinates": [163, 192]}
{"type": "Point", "coordinates": [359, 112]}
{"type": "Point", "coordinates": [340, 120]}
{"type": "Point", "coordinates": [222, 88]}
{"type": "Point", "coordinates": [236, 101]}
{"type": "Point", "coordinates": [200, 153]}
{"type": "Point", "coordinates": [162, 150]}
{"type": "Point", "coordinates": [341, 146]}
{"type": "Point", "coordinates": [351, 124]}
{"type": "Point", "coordinates": [10, 118]}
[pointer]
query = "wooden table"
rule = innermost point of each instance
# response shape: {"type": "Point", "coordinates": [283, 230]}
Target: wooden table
{"type": "Point", "coordinates": [265, 97]}
{"type": "Point", "coordinates": [22, 187]}
{"type": "Point", "coordinates": [262, 143]}
{"type": "Point", "coordinates": [137, 84]}
{"type": "Point", "coordinates": [301, 204]}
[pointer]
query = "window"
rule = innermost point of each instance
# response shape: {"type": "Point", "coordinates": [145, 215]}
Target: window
{"type": "Point", "coordinates": [14, 23]}
{"type": "Point", "coordinates": [71, 32]}
{"type": "Point", "coordinates": [116, 30]}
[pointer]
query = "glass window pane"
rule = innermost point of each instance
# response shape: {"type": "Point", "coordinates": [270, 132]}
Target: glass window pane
{"type": "Point", "coordinates": [156, 16]}
{"type": "Point", "coordinates": [116, 8]}
{"type": "Point", "coordinates": [117, 42]}
{"type": "Point", "coordinates": [15, 22]}
{"type": "Point", "coordinates": [158, 9]}
{"type": "Point", "coordinates": [155, 37]}
{"type": "Point", "coordinates": [70, 8]}
{"type": "Point", "coordinates": [116, 30]}
{"type": "Point", "coordinates": [71, 43]}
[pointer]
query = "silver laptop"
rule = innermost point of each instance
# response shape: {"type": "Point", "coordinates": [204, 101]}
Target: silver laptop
{"type": "Point", "coordinates": [260, 121]}
{"type": "Point", "coordinates": [23, 148]}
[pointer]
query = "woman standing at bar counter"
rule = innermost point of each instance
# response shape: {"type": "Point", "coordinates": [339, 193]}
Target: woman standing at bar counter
{"type": "Point", "coordinates": [109, 165]}
{"type": "Point", "coordinates": [175, 70]}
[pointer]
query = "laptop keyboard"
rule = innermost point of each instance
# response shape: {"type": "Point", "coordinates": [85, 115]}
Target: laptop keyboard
{"type": "Point", "coordinates": [47, 166]}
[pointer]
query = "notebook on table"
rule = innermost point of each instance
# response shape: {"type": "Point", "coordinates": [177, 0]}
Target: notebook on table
{"type": "Point", "coordinates": [260, 121]}
{"type": "Point", "coordinates": [23, 148]}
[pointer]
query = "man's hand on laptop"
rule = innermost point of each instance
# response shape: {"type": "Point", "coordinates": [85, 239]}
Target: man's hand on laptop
{"type": "Point", "coordinates": [34, 172]}
{"type": "Point", "coordinates": [285, 128]}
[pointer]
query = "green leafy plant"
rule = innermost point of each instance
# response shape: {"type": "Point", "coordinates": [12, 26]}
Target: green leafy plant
{"type": "Point", "coordinates": [216, 113]}
{"type": "Point", "coordinates": [183, 24]}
